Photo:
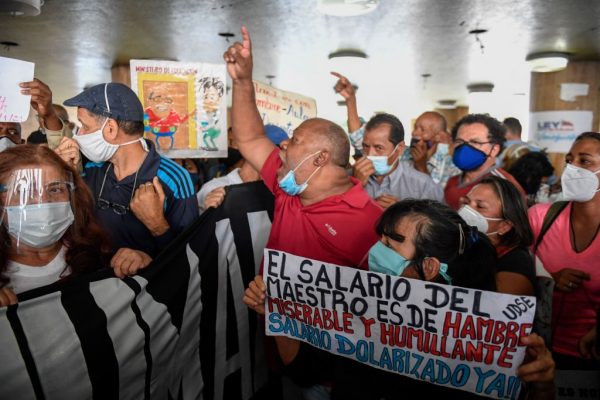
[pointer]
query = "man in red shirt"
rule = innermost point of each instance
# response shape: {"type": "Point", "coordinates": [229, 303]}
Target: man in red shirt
{"type": "Point", "coordinates": [478, 139]}
{"type": "Point", "coordinates": [320, 212]}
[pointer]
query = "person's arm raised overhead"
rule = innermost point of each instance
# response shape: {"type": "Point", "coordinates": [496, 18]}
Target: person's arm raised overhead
{"type": "Point", "coordinates": [247, 126]}
{"type": "Point", "coordinates": [344, 87]}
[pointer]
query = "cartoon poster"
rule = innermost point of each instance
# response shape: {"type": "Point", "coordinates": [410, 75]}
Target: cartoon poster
{"type": "Point", "coordinates": [452, 336]}
{"type": "Point", "coordinates": [287, 110]}
{"type": "Point", "coordinates": [185, 106]}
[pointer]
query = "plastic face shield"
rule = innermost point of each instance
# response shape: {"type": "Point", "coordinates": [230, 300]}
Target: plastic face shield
{"type": "Point", "coordinates": [32, 202]}
{"type": "Point", "coordinates": [36, 186]}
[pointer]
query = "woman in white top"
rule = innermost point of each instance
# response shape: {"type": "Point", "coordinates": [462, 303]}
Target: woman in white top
{"type": "Point", "coordinates": [48, 230]}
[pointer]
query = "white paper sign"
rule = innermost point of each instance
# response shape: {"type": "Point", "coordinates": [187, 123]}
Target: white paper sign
{"type": "Point", "coordinates": [284, 109]}
{"type": "Point", "coordinates": [556, 130]}
{"type": "Point", "coordinates": [569, 91]}
{"type": "Point", "coordinates": [14, 106]}
{"type": "Point", "coordinates": [446, 335]}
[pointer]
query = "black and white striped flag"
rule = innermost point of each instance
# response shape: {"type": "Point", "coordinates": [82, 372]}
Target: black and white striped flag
{"type": "Point", "coordinates": [178, 330]}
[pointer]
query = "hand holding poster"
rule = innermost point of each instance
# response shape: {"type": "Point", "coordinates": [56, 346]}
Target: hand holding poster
{"type": "Point", "coordinates": [461, 338]}
{"type": "Point", "coordinates": [185, 107]}
{"type": "Point", "coordinates": [284, 109]}
{"type": "Point", "coordinates": [14, 106]}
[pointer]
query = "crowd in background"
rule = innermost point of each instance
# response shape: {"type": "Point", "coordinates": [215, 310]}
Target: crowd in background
{"type": "Point", "coordinates": [470, 205]}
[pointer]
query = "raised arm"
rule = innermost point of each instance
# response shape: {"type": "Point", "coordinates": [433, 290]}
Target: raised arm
{"type": "Point", "coordinates": [344, 87]}
{"type": "Point", "coordinates": [246, 123]}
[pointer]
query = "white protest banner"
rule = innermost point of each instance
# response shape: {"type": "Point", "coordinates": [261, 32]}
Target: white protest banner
{"type": "Point", "coordinates": [556, 130]}
{"type": "Point", "coordinates": [284, 109]}
{"type": "Point", "coordinates": [456, 337]}
{"type": "Point", "coordinates": [14, 106]}
{"type": "Point", "coordinates": [185, 109]}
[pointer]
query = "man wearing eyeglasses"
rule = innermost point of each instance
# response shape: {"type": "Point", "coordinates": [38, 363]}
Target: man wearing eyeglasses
{"type": "Point", "coordinates": [478, 139]}
{"type": "Point", "coordinates": [143, 199]}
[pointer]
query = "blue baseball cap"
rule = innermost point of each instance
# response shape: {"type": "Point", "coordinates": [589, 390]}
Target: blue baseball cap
{"type": "Point", "coordinates": [275, 134]}
{"type": "Point", "coordinates": [114, 100]}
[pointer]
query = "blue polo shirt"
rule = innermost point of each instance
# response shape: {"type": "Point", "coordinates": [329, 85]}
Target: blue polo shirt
{"type": "Point", "coordinates": [180, 208]}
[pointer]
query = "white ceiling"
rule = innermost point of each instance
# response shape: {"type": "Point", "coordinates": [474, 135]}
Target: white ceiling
{"type": "Point", "coordinates": [74, 43]}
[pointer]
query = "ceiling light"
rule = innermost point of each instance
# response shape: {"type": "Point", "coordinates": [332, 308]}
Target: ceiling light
{"type": "Point", "coordinates": [446, 104]}
{"type": "Point", "coordinates": [226, 35]}
{"type": "Point", "coordinates": [18, 8]}
{"type": "Point", "coordinates": [483, 87]}
{"type": "Point", "coordinates": [348, 62]}
{"type": "Point", "coordinates": [346, 8]}
{"type": "Point", "coordinates": [547, 62]}
{"type": "Point", "coordinates": [481, 99]}
{"type": "Point", "coordinates": [9, 45]}
{"type": "Point", "coordinates": [348, 53]}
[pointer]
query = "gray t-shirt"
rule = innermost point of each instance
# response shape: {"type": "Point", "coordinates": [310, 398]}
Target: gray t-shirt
{"type": "Point", "coordinates": [405, 182]}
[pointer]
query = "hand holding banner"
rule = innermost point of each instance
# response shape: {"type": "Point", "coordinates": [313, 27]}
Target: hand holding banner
{"type": "Point", "coordinates": [452, 336]}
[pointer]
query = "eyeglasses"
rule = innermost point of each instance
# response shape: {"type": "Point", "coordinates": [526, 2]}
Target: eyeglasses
{"type": "Point", "coordinates": [118, 209]}
{"type": "Point", "coordinates": [51, 192]}
{"type": "Point", "coordinates": [104, 204]}
{"type": "Point", "coordinates": [474, 143]}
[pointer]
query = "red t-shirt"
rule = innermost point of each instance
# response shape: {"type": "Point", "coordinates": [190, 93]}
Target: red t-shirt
{"type": "Point", "coordinates": [455, 189]}
{"type": "Point", "coordinates": [339, 229]}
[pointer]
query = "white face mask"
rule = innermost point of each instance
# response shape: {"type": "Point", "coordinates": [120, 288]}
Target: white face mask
{"type": "Point", "coordinates": [474, 218]}
{"type": "Point", "coordinates": [6, 143]}
{"type": "Point", "coordinates": [39, 225]}
{"type": "Point", "coordinates": [578, 184]}
{"type": "Point", "coordinates": [96, 148]}
{"type": "Point", "coordinates": [442, 149]}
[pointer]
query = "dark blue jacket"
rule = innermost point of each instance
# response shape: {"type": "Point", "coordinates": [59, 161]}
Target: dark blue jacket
{"type": "Point", "coordinates": [180, 207]}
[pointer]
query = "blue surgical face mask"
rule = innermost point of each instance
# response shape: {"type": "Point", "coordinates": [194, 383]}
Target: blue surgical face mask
{"type": "Point", "coordinates": [384, 260]}
{"type": "Point", "coordinates": [468, 158]}
{"type": "Point", "coordinates": [380, 163]}
{"type": "Point", "coordinates": [288, 183]}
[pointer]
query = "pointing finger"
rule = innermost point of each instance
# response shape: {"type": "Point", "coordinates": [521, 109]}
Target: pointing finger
{"type": "Point", "coordinates": [246, 39]}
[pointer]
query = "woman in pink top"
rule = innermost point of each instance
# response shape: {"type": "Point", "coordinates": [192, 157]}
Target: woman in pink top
{"type": "Point", "coordinates": [570, 251]}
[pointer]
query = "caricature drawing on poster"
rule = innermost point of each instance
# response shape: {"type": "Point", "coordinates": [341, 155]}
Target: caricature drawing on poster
{"type": "Point", "coordinates": [212, 89]}
{"type": "Point", "coordinates": [165, 110]}
{"type": "Point", "coordinates": [182, 105]}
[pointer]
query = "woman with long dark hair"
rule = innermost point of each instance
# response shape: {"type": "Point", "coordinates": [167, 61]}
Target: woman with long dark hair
{"type": "Point", "coordinates": [497, 209]}
{"type": "Point", "coordinates": [48, 229]}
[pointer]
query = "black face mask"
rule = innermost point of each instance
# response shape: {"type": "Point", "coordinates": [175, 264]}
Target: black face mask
{"type": "Point", "coordinates": [233, 156]}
